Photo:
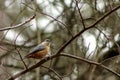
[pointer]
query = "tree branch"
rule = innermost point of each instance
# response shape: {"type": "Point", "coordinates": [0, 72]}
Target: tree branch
{"type": "Point", "coordinates": [65, 45]}
{"type": "Point", "coordinates": [91, 62]}
{"type": "Point", "coordinates": [21, 24]}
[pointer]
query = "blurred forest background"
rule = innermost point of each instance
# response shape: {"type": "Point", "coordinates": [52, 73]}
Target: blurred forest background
{"type": "Point", "coordinates": [86, 32]}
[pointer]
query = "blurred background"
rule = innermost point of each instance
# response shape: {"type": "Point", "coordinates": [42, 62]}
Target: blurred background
{"type": "Point", "coordinates": [59, 21]}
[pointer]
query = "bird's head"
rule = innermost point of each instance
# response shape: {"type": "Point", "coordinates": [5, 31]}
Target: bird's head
{"type": "Point", "coordinates": [46, 42]}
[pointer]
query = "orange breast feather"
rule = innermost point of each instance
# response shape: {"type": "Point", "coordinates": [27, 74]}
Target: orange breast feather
{"type": "Point", "coordinates": [40, 54]}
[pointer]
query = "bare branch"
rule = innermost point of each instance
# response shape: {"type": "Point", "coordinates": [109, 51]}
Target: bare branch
{"type": "Point", "coordinates": [76, 1]}
{"type": "Point", "coordinates": [91, 26]}
{"type": "Point", "coordinates": [21, 24]}
{"type": "Point", "coordinates": [65, 45]}
{"type": "Point", "coordinates": [91, 62]}
{"type": "Point", "coordinates": [53, 19]}
{"type": "Point", "coordinates": [60, 78]}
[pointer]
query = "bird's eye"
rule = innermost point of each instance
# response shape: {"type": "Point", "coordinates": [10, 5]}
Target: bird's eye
{"type": "Point", "coordinates": [47, 40]}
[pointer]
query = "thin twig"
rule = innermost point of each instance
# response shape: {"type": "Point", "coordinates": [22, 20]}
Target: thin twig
{"type": "Point", "coordinates": [53, 19]}
{"type": "Point", "coordinates": [18, 51]}
{"type": "Point", "coordinates": [82, 20]}
{"type": "Point", "coordinates": [21, 24]}
{"type": "Point", "coordinates": [21, 59]}
{"type": "Point", "coordinates": [60, 77]}
{"type": "Point", "coordinates": [103, 34]}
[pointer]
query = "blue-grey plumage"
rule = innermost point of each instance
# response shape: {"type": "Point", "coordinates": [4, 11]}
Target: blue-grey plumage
{"type": "Point", "coordinates": [40, 51]}
{"type": "Point", "coordinates": [40, 47]}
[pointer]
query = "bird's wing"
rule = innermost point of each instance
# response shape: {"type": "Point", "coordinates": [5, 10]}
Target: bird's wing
{"type": "Point", "coordinates": [40, 47]}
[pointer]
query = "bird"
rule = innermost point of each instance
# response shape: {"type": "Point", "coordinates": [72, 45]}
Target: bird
{"type": "Point", "coordinates": [40, 51]}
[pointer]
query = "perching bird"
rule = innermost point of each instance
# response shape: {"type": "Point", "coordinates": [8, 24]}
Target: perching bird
{"type": "Point", "coordinates": [40, 51]}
